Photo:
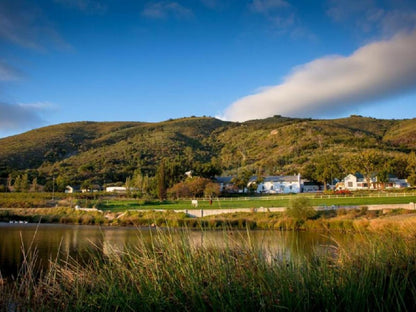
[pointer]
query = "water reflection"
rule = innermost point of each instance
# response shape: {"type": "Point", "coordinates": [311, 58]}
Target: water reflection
{"type": "Point", "coordinates": [52, 240]}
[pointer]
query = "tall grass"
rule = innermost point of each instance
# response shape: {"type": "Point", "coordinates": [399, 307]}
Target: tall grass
{"type": "Point", "coordinates": [170, 272]}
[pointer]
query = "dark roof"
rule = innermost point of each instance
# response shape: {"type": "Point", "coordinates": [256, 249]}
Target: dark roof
{"type": "Point", "coordinates": [288, 178]}
{"type": "Point", "coordinates": [224, 180]}
{"type": "Point", "coordinates": [291, 178]}
{"type": "Point", "coordinates": [77, 187]}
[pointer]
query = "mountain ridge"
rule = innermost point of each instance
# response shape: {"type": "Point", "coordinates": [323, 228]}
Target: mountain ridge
{"type": "Point", "coordinates": [112, 151]}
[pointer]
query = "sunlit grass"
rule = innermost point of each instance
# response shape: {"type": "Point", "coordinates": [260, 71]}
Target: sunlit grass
{"type": "Point", "coordinates": [367, 273]}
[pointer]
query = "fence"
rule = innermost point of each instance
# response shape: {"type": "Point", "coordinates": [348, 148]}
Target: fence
{"type": "Point", "coordinates": [312, 196]}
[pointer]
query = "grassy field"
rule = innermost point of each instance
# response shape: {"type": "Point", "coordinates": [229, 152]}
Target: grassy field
{"type": "Point", "coordinates": [365, 273]}
{"type": "Point", "coordinates": [116, 204]}
{"type": "Point", "coordinates": [121, 205]}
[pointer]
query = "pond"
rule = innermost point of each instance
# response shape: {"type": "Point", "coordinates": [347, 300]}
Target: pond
{"type": "Point", "coordinates": [57, 241]}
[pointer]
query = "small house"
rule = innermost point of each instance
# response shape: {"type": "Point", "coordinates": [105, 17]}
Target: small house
{"type": "Point", "coordinates": [69, 189]}
{"type": "Point", "coordinates": [116, 189]}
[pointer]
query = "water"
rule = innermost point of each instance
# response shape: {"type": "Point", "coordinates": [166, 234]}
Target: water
{"type": "Point", "coordinates": [52, 241]}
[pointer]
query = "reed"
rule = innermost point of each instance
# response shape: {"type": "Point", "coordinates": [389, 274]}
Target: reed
{"type": "Point", "coordinates": [372, 272]}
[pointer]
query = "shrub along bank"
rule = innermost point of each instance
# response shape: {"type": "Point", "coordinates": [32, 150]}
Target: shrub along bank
{"type": "Point", "coordinates": [340, 220]}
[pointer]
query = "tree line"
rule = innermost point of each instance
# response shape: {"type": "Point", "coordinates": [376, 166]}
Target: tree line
{"type": "Point", "coordinates": [169, 179]}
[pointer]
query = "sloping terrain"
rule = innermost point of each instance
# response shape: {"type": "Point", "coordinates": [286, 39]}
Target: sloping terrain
{"type": "Point", "coordinates": [112, 151]}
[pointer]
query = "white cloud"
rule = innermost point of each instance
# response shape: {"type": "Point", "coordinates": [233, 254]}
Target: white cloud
{"type": "Point", "coordinates": [335, 84]}
{"type": "Point", "coordinates": [165, 9]}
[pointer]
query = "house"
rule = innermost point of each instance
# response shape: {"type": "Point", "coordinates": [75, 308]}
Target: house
{"type": "Point", "coordinates": [92, 189]}
{"type": "Point", "coordinates": [72, 189]}
{"type": "Point", "coordinates": [271, 185]}
{"type": "Point", "coordinates": [119, 189]}
{"type": "Point", "coordinates": [395, 182]}
{"type": "Point", "coordinates": [280, 184]}
{"type": "Point", "coordinates": [353, 182]}
{"type": "Point", "coordinates": [116, 189]}
{"type": "Point", "coordinates": [311, 187]}
{"type": "Point", "coordinates": [226, 185]}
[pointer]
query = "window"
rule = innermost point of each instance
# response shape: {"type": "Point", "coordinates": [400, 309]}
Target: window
{"type": "Point", "coordinates": [349, 184]}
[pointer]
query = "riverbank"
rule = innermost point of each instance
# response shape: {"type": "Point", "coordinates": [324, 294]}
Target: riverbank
{"type": "Point", "coordinates": [345, 220]}
{"type": "Point", "coordinates": [169, 273]}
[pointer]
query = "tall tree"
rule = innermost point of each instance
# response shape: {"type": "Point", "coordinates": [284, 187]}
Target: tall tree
{"type": "Point", "coordinates": [34, 186]}
{"type": "Point", "coordinates": [411, 163]}
{"type": "Point", "coordinates": [129, 186]}
{"type": "Point", "coordinates": [17, 184]}
{"type": "Point", "coordinates": [327, 167]}
{"type": "Point", "coordinates": [242, 179]}
{"type": "Point", "coordinates": [368, 163]}
{"type": "Point", "coordinates": [9, 182]}
{"type": "Point", "coordinates": [161, 180]}
{"type": "Point", "coordinates": [411, 168]}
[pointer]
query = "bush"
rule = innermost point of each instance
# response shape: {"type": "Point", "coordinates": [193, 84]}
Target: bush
{"type": "Point", "coordinates": [300, 208]}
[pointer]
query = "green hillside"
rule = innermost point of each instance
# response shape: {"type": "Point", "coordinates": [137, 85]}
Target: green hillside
{"type": "Point", "coordinates": [105, 152]}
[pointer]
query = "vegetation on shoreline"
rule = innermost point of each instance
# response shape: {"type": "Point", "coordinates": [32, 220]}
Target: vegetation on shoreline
{"type": "Point", "coordinates": [342, 220]}
{"type": "Point", "coordinates": [367, 273]}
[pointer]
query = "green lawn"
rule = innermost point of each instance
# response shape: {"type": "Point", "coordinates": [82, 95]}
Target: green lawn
{"type": "Point", "coordinates": [121, 205]}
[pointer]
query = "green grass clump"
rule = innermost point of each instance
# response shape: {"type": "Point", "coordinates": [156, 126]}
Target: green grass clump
{"type": "Point", "coordinates": [171, 272]}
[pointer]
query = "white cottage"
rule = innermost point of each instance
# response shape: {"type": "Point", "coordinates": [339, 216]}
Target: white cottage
{"type": "Point", "coordinates": [116, 189]}
{"type": "Point", "coordinates": [280, 184]}
{"type": "Point", "coordinates": [353, 182]}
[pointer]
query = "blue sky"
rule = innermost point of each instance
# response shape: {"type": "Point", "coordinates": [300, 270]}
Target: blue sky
{"type": "Point", "coordinates": [115, 60]}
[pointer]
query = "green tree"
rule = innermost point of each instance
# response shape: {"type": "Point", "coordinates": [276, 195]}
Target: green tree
{"type": "Point", "coordinates": [61, 182]}
{"type": "Point", "coordinates": [368, 163]}
{"type": "Point", "coordinates": [326, 168]}
{"type": "Point", "coordinates": [86, 184]}
{"type": "Point", "coordinates": [412, 179]}
{"type": "Point", "coordinates": [9, 182]}
{"type": "Point", "coordinates": [17, 185]}
{"type": "Point", "coordinates": [129, 186]}
{"type": "Point", "coordinates": [161, 181]}
{"type": "Point", "coordinates": [399, 166]}
{"type": "Point", "coordinates": [24, 183]}
{"type": "Point", "coordinates": [242, 179]}
{"type": "Point", "coordinates": [34, 186]}
{"type": "Point", "coordinates": [411, 164]}
{"type": "Point", "coordinates": [207, 170]}
{"type": "Point", "coordinates": [300, 208]}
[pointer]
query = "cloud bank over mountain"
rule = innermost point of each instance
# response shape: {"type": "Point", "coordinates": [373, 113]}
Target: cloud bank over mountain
{"type": "Point", "coordinates": [336, 84]}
